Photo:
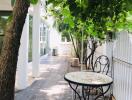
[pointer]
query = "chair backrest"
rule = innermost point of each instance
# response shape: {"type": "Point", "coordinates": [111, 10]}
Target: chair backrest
{"type": "Point", "coordinates": [101, 65]}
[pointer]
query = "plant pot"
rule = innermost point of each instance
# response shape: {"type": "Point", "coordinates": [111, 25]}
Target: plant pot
{"type": "Point", "coordinates": [75, 62]}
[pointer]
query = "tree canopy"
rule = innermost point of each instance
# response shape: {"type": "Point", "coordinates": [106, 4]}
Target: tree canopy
{"type": "Point", "coordinates": [92, 18]}
{"type": "Point", "coordinates": [96, 16]}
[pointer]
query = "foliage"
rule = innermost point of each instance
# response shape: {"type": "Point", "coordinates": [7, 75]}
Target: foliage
{"type": "Point", "coordinates": [3, 21]}
{"type": "Point", "coordinates": [33, 1]}
{"type": "Point", "coordinates": [69, 25]}
{"type": "Point", "coordinates": [93, 18]}
{"type": "Point", "coordinates": [99, 16]}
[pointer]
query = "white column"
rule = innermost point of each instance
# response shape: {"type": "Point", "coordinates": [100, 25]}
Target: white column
{"type": "Point", "coordinates": [36, 40]}
{"type": "Point", "coordinates": [21, 82]}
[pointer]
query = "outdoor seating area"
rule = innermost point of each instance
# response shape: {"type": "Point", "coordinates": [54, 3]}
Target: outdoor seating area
{"type": "Point", "coordinates": [51, 84]}
{"type": "Point", "coordinates": [66, 50]}
{"type": "Point", "coordinates": [89, 81]}
{"type": "Point", "coordinates": [92, 80]}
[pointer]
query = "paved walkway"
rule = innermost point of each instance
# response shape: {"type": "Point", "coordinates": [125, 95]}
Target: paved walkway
{"type": "Point", "coordinates": [50, 85]}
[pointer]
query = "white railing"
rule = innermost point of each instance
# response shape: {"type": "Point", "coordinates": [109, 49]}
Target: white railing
{"type": "Point", "coordinates": [122, 67]}
{"type": "Point", "coordinates": [122, 88]}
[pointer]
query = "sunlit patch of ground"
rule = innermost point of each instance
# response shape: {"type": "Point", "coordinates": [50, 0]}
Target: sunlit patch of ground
{"type": "Point", "coordinates": [50, 85]}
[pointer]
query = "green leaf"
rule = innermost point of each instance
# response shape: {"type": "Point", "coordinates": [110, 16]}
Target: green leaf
{"type": "Point", "coordinates": [69, 21]}
{"type": "Point", "coordinates": [66, 11]}
{"type": "Point", "coordinates": [130, 1]}
{"type": "Point", "coordinates": [33, 1]}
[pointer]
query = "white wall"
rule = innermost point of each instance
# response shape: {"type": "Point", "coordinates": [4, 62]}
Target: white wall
{"type": "Point", "coordinates": [66, 48]}
{"type": "Point", "coordinates": [54, 35]}
{"type": "Point", "coordinates": [55, 38]}
{"type": "Point", "coordinates": [5, 5]}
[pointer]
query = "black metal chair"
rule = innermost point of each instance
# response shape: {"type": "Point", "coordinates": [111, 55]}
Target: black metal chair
{"type": "Point", "coordinates": [101, 65]}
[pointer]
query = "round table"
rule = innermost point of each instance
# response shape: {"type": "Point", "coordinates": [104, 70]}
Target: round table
{"type": "Point", "coordinates": [90, 79]}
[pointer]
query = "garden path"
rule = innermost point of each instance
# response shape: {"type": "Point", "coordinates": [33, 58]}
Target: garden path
{"type": "Point", "coordinates": [50, 85]}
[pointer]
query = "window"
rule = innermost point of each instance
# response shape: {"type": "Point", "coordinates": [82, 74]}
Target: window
{"type": "Point", "coordinates": [43, 39]}
{"type": "Point", "coordinates": [43, 33]}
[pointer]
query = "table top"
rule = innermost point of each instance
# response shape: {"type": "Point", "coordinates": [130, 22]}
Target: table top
{"type": "Point", "coordinates": [88, 78]}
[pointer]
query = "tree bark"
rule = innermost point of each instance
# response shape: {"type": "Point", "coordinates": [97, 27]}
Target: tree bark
{"type": "Point", "coordinates": [10, 48]}
{"type": "Point", "coordinates": [90, 57]}
{"type": "Point", "coordinates": [75, 49]}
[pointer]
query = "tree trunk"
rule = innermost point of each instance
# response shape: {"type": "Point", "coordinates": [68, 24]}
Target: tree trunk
{"type": "Point", "coordinates": [75, 48]}
{"type": "Point", "coordinates": [9, 53]}
{"type": "Point", "coordinates": [90, 57]}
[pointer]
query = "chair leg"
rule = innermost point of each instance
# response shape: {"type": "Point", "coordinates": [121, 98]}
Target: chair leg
{"type": "Point", "coordinates": [102, 91]}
